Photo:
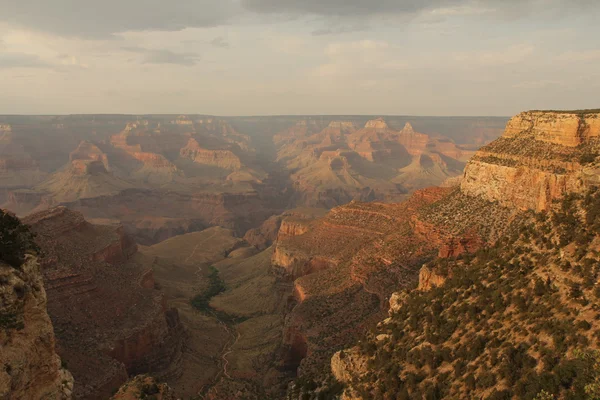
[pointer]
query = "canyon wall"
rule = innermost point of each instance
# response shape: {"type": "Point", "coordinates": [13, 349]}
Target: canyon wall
{"type": "Point", "coordinates": [109, 318]}
{"type": "Point", "coordinates": [31, 368]}
{"type": "Point", "coordinates": [540, 157]}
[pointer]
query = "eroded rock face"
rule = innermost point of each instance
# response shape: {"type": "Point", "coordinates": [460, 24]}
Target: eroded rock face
{"type": "Point", "coordinates": [31, 368]}
{"type": "Point", "coordinates": [348, 364]}
{"type": "Point", "coordinates": [110, 319]}
{"type": "Point", "coordinates": [428, 279]}
{"type": "Point", "coordinates": [265, 235]}
{"type": "Point", "coordinates": [87, 151]}
{"type": "Point", "coordinates": [375, 163]}
{"type": "Point", "coordinates": [536, 161]}
{"type": "Point", "coordinates": [566, 129]}
{"type": "Point", "coordinates": [144, 387]}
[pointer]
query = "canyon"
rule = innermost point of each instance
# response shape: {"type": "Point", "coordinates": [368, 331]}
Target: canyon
{"type": "Point", "coordinates": [523, 197]}
{"type": "Point", "coordinates": [137, 219]}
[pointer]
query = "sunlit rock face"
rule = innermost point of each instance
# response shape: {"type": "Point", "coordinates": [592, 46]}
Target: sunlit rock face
{"type": "Point", "coordinates": [540, 157]}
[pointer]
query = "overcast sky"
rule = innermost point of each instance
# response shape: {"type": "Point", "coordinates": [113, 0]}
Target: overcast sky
{"type": "Point", "coordinates": [264, 57]}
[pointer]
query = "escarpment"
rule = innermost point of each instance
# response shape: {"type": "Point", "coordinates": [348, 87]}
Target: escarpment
{"type": "Point", "coordinates": [541, 157]}
{"type": "Point", "coordinates": [109, 318]}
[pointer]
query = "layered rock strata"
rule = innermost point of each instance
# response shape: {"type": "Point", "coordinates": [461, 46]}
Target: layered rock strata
{"type": "Point", "coordinates": [109, 318]}
{"type": "Point", "coordinates": [541, 156]}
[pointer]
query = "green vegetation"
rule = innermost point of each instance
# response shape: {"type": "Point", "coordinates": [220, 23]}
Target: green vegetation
{"type": "Point", "coordinates": [216, 285]}
{"type": "Point", "coordinates": [517, 320]}
{"type": "Point", "coordinates": [11, 320]}
{"type": "Point", "coordinates": [16, 240]}
{"type": "Point", "coordinates": [576, 112]}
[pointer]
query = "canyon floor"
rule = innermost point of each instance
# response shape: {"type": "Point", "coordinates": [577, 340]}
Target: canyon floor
{"type": "Point", "coordinates": [233, 341]}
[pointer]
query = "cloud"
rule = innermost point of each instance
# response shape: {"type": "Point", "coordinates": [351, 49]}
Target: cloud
{"type": "Point", "coordinates": [21, 60]}
{"type": "Point", "coordinates": [363, 60]}
{"type": "Point", "coordinates": [92, 18]}
{"type": "Point", "coordinates": [164, 56]}
{"type": "Point", "coordinates": [101, 19]}
{"type": "Point", "coordinates": [511, 55]}
{"type": "Point", "coordinates": [579, 56]}
{"type": "Point", "coordinates": [365, 8]}
{"type": "Point", "coordinates": [220, 41]}
{"type": "Point", "coordinates": [340, 29]}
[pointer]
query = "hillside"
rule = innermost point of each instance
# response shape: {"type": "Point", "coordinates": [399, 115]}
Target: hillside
{"type": "Point", "coordinates": [507, 309]}
{"type": "Point", "coordinates": [510, 321]}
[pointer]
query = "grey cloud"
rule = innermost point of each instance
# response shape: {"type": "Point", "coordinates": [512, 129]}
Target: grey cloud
{"type": "Point", "coordinates": [20, 60]}
{"type": "Point", "coordinates": [358, 8]}
{"type": "Point", "coordinates": [341, 7]}
{"type": "Point", "coordinates": [92, 18]}
{"type": "Point", "coordinates": [164, 56]}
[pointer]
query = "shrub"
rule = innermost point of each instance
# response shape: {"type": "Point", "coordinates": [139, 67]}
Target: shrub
{"type": "Point", "coordinates": [16, 240]}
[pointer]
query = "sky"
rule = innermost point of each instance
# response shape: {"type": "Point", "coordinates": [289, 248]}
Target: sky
{"type": "Point", "coordinates": [272, 57]}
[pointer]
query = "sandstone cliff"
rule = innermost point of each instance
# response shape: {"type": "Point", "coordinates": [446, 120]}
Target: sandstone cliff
{"type": "Point", "coordinates": [541, 156]}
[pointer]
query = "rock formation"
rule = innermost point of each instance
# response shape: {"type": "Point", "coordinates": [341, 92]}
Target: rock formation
{"type": "Point", "coordinates": [342, 163]}
{"type": "Point", "coordinates": [143, 387]}
{"type": "Point", "coordinates": [86, 175]}
{"type": "Point", "coordinates": [109, 318]}
{"type": "Point", "coordinates": [218, 158]}
{"type": "Point", "coordinates": [541, 157]}
{"type": "Point", "coordinates": [31, 369]}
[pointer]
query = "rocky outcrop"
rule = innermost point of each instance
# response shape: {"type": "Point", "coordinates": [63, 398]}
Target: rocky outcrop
{"type": "Point", "coordinates": [428, 279]}
{"type": "Point", "coordinates": [415, 143]}
{"type": "Point", "coordinates": [293, 226]}
{"type": "Point", "coordinates": [536, 161]}
{"type": "Point", "coordinates": [31, 369]}
{"type": "Point", "coordinates": [347, 365]}
{"type": "Point", "coordinates": [144, 387]}
{"type": "Point", "coordinates": [378, 123]}
{"type": "Point", "coordinates": [87, 151]}
{"type": "Point", "coordinates": [562, 128]}
{"type": "Point", "coordinates": [86, 175]}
